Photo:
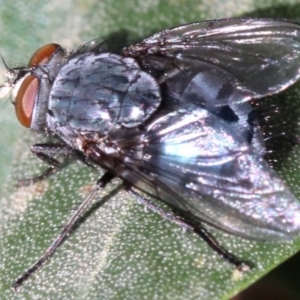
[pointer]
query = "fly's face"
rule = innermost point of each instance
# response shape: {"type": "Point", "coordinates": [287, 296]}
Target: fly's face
{"type": "Point", "coordinates": [32, 86]}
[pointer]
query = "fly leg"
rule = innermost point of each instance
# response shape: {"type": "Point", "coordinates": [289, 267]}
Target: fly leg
{"type": "Point", "coordinates": [101, 183]}
{"type": "Point", "coordinates": [45, 152]}
{"type": "Point", "coordinates": [192, 227]}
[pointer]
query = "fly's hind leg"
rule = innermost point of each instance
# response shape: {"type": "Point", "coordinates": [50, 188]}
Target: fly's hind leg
{"type": "Point", "coordinates": [192, 227]}
{"type": "Point", "coordinates": [46, 153]}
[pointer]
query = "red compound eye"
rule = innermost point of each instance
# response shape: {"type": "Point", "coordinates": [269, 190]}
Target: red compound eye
{"type": "Point", "coordinates": [25, 100]}
{"type": "Point", "coordinates": [43, 55]}
{"type": "Point", "coordinates": [28, 91]}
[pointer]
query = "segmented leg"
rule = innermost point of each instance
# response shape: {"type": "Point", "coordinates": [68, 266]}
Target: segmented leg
{"type": "Point", "coordinates": [101, 183]}
{"type": "Point", "coordinates": [193, 227]}
{"type": "Point", "coordinates": [45, 152]}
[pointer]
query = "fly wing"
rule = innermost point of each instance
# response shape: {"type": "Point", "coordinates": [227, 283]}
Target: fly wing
{"type": "Point", "coordinates": [198, 164]}
{"type": "Point", "coordinates": [263, 54]}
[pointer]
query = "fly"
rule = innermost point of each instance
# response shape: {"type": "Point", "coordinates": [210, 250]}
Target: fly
{"type": "Point", "coordinates": [170, 116]}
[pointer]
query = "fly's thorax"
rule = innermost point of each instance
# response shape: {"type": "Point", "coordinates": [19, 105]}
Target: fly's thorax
{"type": "Point", "coordinates": [98, 93]}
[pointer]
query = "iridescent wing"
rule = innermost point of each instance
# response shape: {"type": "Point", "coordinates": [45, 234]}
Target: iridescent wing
{"type": "Point", "coordinates": [200, 152]}
{"type": "Point", "coordinates": [198, 164]}
{"type": "Point", "coordinates": [205, 157]}
{"type": "Point", "coordinates": [262, 54]}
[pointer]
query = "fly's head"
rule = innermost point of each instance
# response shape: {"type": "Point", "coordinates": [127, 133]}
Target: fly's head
{"type": "Point", "coordinates": [31, 86]}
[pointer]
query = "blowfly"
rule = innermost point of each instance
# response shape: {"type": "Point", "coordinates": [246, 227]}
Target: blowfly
{"type": "Point", "coordinates": [171, 117]}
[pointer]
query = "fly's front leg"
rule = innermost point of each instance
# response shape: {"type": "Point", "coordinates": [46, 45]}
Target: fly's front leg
{"type": "Point", "coordinates": [45, 152]}
{"type": "Point", "coordinates": [69, 226]}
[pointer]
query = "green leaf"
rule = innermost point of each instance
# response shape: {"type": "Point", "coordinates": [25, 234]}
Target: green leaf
{"type": "Point", "coordinates": [120, 251]}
